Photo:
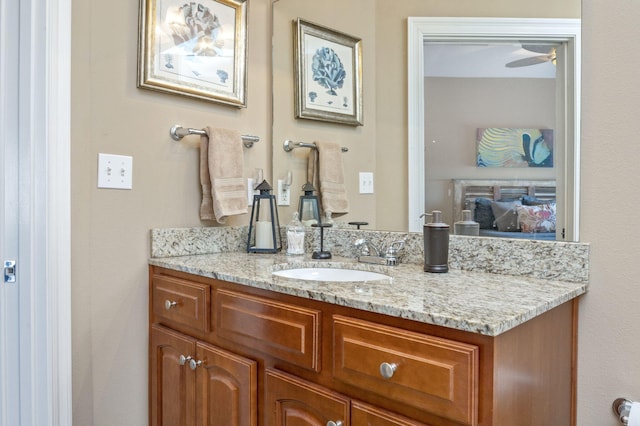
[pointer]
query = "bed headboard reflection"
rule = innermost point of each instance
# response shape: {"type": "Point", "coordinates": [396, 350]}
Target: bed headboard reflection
{"type": "Point", "coordinates": [465, 191]}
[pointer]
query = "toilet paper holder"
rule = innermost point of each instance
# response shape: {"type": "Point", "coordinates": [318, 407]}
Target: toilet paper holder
{"type": "Point", "coordinates": [621, 408]}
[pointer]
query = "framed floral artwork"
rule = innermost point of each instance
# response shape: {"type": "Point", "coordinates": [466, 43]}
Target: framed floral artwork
{"type": "Point", "coordinates": [328, 74]}
{"type": "Point", "coordinates": [196, 49]}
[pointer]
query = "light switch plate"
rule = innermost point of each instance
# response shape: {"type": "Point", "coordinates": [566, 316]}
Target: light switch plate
{"type": "Point", "coordinates": [366, 182]}
{"type": "Point", "coordinates": [115, 171]}
{"type": "Point", "coordinates": [284, 193]}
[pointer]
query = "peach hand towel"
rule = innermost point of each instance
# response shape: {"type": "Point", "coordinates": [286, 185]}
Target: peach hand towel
{"type": "Point", "coordinates": [224, 189]}
{"type": "Point", "coordinates": [326, 172]}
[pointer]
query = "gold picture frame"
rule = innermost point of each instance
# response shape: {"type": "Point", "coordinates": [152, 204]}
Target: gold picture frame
{"type": "Point", "coordinates": [328, 74]}
{"type": "Point", "coordinates": [194, 48]}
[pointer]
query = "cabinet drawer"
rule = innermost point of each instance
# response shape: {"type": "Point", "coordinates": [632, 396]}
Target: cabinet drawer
{"type": "Point", "coordinates": [426, 372]}
{"type": "Point", "coordinates": [287, 332]}
{"type": "Point", "coordinates": [179, 302]}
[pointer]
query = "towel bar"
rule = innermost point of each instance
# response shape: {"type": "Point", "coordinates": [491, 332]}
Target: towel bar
{"type": "Point", "coordinates": [290, 145]}
{"type": "Point", "coordinates": [177, 132]}
{"type": "Point", "coordinates": [622, 408]}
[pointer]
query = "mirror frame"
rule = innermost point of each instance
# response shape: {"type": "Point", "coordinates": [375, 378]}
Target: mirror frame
{"type": "Point", "coordinates": [421, 29]}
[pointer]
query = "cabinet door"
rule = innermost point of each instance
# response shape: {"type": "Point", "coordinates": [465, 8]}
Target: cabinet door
{"type": "Point", "coordinates": [227, 388]}
{"type": "Point", "coordinates": [172, 401]}
{"type": "Point", "coordinates": [367, 415]}
{"type": "Point", "coordinates": [294, 402]}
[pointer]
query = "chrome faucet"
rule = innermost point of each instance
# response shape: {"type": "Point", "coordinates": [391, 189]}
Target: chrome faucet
{"type": "Point", "coordinates": [369, 253]}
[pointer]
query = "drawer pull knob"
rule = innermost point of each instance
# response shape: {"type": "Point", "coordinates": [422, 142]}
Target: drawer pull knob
{"type": "Point", "coordinates": [387, 369]}
{"type": "Point", "coordinates": [332, 423]}
{"type": "Point", "coordinates": [184, 359]}
{"type": "Point", "coordinates": [168, 304]}
{"type": "Point", "coordinates": [193, 364]}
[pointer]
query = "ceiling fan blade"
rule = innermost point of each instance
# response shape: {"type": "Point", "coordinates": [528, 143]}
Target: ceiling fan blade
{"type": "Point", "coordinates": [534, 60]}
{"type": "Point", "coordinates": [539, 48]}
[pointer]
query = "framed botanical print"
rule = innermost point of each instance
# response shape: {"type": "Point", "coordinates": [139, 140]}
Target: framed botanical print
{"type": "Point", "coordinates": [328, 74]}
{"type": "Point", "coordinates": [194, 48]}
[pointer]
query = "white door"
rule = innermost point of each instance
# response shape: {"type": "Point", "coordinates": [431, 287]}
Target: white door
{"type": "Point", "coordinates": [9, 213]}
{"type": "Point", "coordinates": [35, 341]}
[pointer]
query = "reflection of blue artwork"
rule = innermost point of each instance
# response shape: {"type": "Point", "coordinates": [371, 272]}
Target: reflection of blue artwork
{"type": "Point", "coordinates": [328, 70]}
{"type": "Point", "coordinates": [514, 147]}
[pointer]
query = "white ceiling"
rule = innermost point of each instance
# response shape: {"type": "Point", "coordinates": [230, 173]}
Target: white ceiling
{"type": "Point", "coordinates": [460, 59]}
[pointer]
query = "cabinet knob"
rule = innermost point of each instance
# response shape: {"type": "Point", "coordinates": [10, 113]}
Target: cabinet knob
{"type": "Point", "coordinates": [387, 369]}
{"type": "Point", "coordinates": [332, 423]}
{"type": "Point", "coordinates": [184, 359]}
{"type": "Point", "coordinates": [193, 364]}
{"type": "Point", "coordinates": [168, 304]}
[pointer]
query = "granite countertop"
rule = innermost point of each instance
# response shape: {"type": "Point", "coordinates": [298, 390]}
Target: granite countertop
{"type": "Point", "coordinates": [484, 303]}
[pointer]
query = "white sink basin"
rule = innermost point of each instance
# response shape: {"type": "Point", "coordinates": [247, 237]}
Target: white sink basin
{"type": "Point", "coordinates": [330, 274]}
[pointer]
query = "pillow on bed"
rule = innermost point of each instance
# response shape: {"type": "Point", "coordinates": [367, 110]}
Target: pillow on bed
{"type": "Point", "coordinates": [528, 200]}
{"type": "Point", "coordinates": [506, 215]}
{"type": "Point", "coordinates": [540, 218]}
{"type": "Point", "coordinates": [483, 213]}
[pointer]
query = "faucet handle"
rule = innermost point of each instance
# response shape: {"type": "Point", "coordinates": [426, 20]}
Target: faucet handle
{"type": "Point", "coordinates": [395, 247]}
{"type": "Point", "coordinates": [362, 245]}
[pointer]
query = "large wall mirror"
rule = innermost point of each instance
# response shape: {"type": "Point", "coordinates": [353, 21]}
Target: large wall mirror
{"type": "Point", "coordinates": [391, 143]}
{"type": "Point", "coordinates": [465, 74]}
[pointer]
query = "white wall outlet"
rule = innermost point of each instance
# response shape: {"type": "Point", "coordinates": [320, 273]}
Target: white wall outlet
{"type": "Point", "coordinates": [366, 182]}
{"type": "Point", "coordinates": [284, 193]}
{"type": "Point", "coordinates": [115, 171]}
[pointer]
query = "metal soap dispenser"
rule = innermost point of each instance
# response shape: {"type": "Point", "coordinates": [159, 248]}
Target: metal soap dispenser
{"type": "Point", "coordinates": [436, 243]}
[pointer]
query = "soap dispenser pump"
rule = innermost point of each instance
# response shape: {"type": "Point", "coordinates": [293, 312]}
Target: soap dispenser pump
{"type": "Point", "coordinates": [436, 243]}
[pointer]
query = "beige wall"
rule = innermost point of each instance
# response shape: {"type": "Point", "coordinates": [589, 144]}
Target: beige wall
{"type": "Point", "coordinates": [609, 351]}
{"type": "Point", "coordinates": [110, 231]}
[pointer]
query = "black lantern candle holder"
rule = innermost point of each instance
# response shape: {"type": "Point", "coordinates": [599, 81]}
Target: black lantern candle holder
{"type": "Point", "coordinates": [309, 206]}
{"type": "Point", "coordinates": [264, 225]}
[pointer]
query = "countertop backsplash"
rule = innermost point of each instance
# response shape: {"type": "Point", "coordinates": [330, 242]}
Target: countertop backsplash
{"type": "Point", "coordinates": [531, 258]}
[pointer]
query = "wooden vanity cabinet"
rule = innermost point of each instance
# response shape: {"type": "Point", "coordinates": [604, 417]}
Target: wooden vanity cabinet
{"type": "Point", "coordinates": [269, 359]}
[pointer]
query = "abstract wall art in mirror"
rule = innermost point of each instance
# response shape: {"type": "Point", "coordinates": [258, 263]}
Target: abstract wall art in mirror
{"type": "Point", "coordinates": [328, 73]}
{"type": "Point", "coordinates": [514, 147]}
{"type": "Point", "coordinates": [196, 49]}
